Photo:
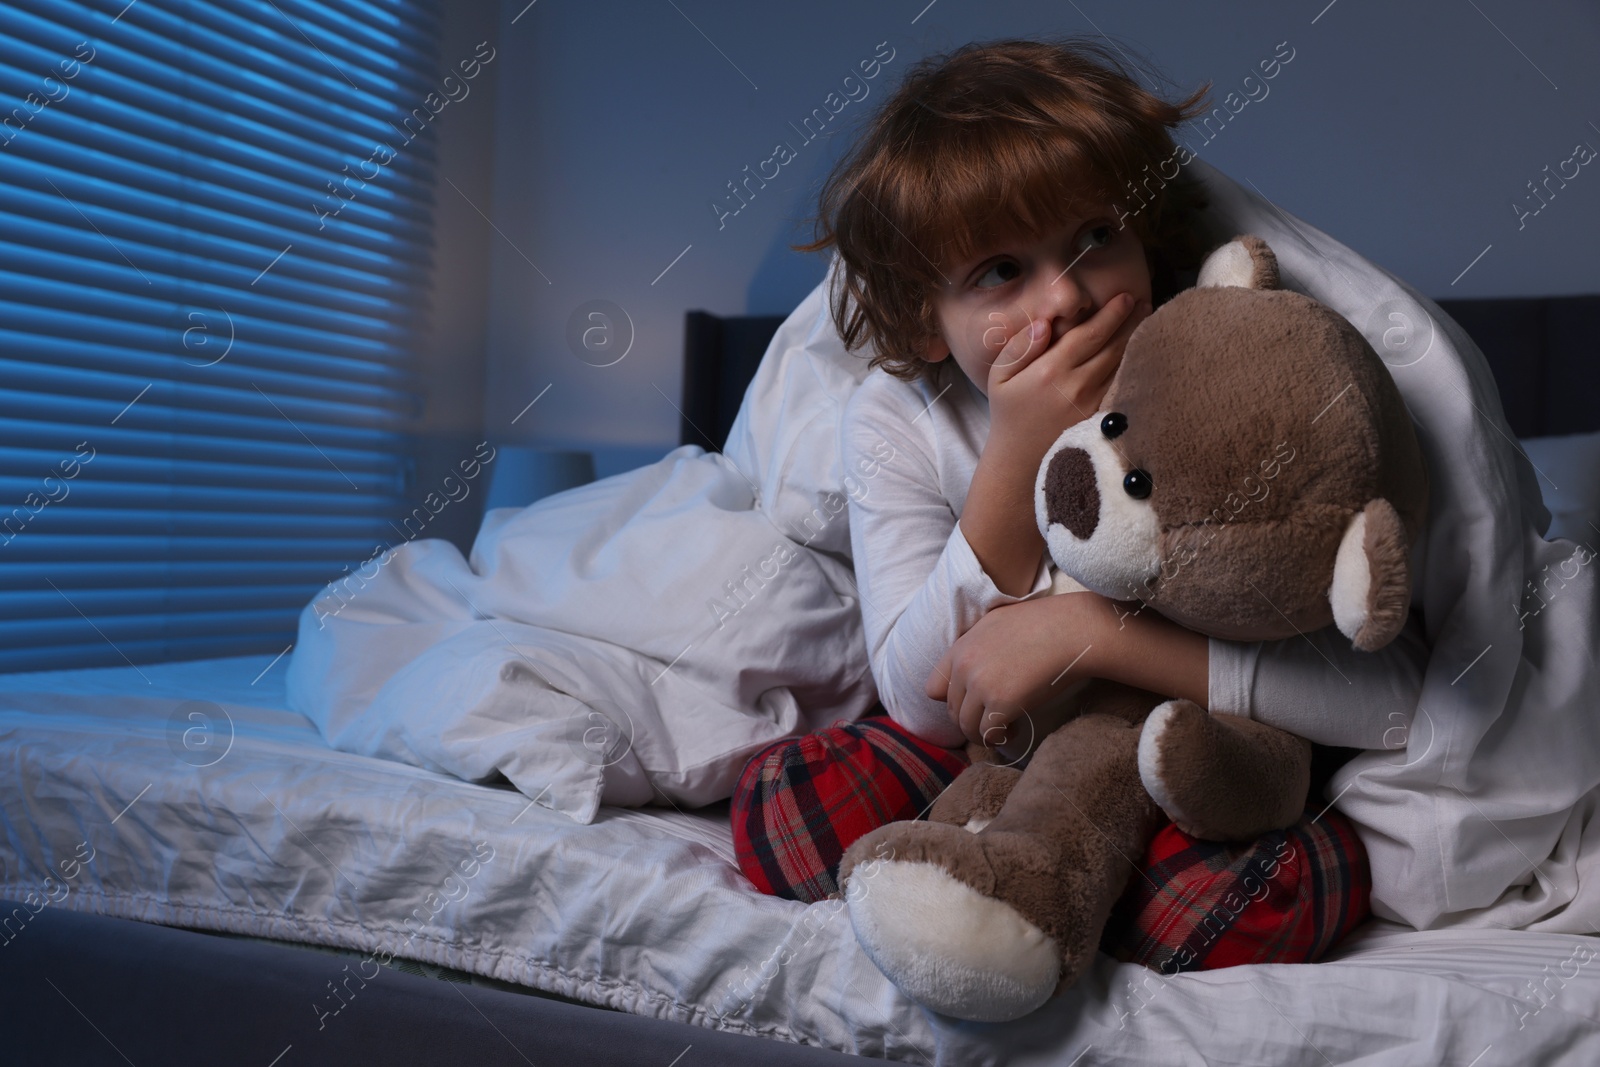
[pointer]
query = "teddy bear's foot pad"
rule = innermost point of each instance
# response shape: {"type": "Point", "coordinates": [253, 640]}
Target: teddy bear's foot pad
{"type": "Point", "coordinates": [947, 946]}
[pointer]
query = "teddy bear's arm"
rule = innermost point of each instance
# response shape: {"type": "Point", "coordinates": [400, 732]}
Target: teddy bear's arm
{"type": "Point", "coordinates": [1222, 777]}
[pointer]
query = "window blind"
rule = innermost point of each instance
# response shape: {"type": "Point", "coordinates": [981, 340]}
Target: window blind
{"type": "Point", "coordinates": [215, 245]}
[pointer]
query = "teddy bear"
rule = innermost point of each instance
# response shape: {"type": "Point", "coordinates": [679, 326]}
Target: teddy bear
{"type": "Point", "coordinates": [1253, 475]}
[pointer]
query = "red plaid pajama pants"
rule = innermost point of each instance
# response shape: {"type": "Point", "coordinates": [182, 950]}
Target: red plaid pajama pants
{"type": "Point", "coordinates": [1286, 897]}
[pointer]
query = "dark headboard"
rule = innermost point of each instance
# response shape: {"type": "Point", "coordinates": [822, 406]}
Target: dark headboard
{"type": "Point", "coordinates": [720, 355]}
{"type": "Point", "coordinates": [1545, 354]}
{"type": "Point", "coordinates": [1544, 351]}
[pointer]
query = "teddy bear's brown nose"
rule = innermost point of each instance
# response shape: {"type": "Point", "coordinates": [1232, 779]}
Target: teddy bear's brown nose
{"type": "Point", "coordinates": [1070, 492]}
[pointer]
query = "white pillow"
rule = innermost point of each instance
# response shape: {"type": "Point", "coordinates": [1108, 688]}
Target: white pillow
{"type": "Point", "coordinates": [786, 436]}
{"type": "Point", "coordinates": [1568, 469]}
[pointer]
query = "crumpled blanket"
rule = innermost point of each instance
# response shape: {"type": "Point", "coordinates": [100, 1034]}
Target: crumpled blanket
{"type": "Point", "coordinates": [595, 601]}
{"type": "Point", "coordinates": [630, 641]}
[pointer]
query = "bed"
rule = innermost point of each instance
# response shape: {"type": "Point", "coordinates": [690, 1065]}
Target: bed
{"type": "Point", "coordinates": [190, 871]}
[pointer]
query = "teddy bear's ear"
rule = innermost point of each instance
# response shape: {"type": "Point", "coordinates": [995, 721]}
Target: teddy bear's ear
{"type": "Point", "coordinates": [1371, 590]}
{"type": "Point", "coordinates": [1245, 261]}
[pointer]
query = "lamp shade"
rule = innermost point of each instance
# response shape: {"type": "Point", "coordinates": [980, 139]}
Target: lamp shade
{"type": "Point", "coordinates": [521, 474]}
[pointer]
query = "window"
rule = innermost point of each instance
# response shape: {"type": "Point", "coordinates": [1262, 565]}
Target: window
{"type": "Point", "coordinates": [215, 235]}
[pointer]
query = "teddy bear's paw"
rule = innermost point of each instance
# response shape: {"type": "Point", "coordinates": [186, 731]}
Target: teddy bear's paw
{"type": "Point", "coordinates": [975, 797]}
{"type": "Point", "coordinates": [1221, 778]}
{"type": "Point", "coordinates": [1172, 731]}
{"type": "Point", "coordinates": [947, 946]}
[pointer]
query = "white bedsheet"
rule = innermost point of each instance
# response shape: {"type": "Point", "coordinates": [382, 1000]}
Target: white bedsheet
{"type": "Point", "coordinates": [277, 835]}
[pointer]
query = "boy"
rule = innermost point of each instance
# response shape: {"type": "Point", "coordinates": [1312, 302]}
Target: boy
{"type": "Point", "coordinates": [1011, 211]}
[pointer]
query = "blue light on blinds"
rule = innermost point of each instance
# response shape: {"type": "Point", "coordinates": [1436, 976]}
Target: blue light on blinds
{"type": "Point", "coordinates": [215, 249]}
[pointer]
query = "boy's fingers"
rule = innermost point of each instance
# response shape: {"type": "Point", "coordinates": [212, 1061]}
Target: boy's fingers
{"type": "Point", "coordinates": [938, 684]}
{"type": "Point", "coordinates": [1099, 371]}
{"type": "Point", "coordinates": [1019, 350]}
{"type": "Point", "coordinates": [1107, 358]}
{"type": "Point", "coordinates": [1138, 313]}
{"type": "Point", "coordinates": [992, 731]}
{"type": "Point", "coordinates": [1085, 340]}
{"type": "Point", "coordinates": [1079, 344]}
{"type": "Point", "coordinates": [987, 724]}
{"type": "Point", "coordinates": [971, 712]}
{"type": "Point", "coordinates": [957, 699]}
{"type": "Point", "coordinates": [1100, 330]}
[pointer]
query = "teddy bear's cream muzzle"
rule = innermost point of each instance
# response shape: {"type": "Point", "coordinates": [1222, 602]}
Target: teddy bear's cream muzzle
{"type": "Point", "coordinates": [1093, 528]}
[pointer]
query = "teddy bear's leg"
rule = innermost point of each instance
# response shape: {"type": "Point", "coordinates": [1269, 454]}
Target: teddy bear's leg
{"type": "Point", "coordinates": [986, 926]}
{"type": "Point", "coordinates": [1223, 777]}
{"type": "Point", "coordinates": [976, 796]}
{"type": "Point", "coordinates": [980, 791]}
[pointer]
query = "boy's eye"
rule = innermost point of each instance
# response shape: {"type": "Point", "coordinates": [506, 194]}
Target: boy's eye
{"type": "Point", "coordinates": [1095, 237]}
{"type": "Point", "coordinates": [1001, 273]}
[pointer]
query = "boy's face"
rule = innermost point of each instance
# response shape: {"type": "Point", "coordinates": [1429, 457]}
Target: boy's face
{"type": "Point", "coordinates": [1063, 277]}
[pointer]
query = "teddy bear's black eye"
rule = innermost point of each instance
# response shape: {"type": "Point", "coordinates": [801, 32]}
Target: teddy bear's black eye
{"type": "Point", "coordinates": [1137, 483]}
{"type": "Point", "coordinates": [1113, 424]}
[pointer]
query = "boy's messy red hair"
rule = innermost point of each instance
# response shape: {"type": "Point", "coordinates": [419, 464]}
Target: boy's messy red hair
{"type": "Point", "coordinates": [977, 143]}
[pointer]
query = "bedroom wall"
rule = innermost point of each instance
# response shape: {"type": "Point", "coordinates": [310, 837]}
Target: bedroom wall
{"type": "Point", "coordinates": [1407, 131]}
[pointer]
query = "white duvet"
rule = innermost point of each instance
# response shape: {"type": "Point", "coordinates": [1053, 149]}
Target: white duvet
{"type": "Point", "coordinates": [187, 794]}
{"type": "Point", "coordinates": [636, 639]}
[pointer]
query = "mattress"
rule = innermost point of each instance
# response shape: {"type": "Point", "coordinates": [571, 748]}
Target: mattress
{"type": "Point", "coordinates": [187, 794]}
{"type": "Point", "coordinates": [82, 990]}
